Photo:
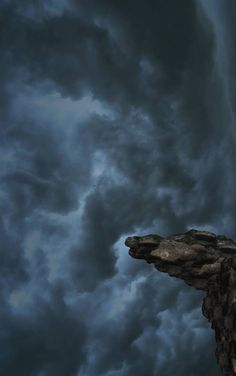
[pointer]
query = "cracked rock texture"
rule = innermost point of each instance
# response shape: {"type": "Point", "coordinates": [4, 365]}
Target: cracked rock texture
{"type": "Point", "coordinates": [207, 262]}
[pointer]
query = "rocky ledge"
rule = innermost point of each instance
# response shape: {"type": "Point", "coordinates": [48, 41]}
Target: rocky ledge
{"type": "Point", "coordinates": [207, 262]}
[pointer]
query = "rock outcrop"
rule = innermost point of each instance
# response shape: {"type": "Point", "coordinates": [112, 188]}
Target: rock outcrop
{"type": "Point", "coordinates": [207, 262]}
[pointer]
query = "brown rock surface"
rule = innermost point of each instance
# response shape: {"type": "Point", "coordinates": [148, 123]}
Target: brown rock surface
{"type": "Point", "coordinates": [207, 262]}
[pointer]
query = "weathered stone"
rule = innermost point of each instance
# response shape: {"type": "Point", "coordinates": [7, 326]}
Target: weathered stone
{"type": "Point", "coordinates": [207, 262]}
{"type": "Point", "coordinates": [172, 251]}
{"type": "Point", "coordinates": [204, 235]}
{"type": "Point", "coordinates": [218, 313]}
{"type": "Point", "coordinates": [228, 322]}
{"type": "Point", "coordinates": [198, 247]}
{"type": "Point", "coordinates": [233, 360]}
{"type": "Point", "coordinates": [228, 248]}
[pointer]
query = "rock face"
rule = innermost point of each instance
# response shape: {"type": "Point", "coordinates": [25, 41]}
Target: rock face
{"type": "Point", "coordinates": [207, 262]}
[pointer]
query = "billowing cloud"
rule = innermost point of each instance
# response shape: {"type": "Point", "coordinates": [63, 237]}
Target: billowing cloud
{"type": "Point", "coordinates": [116, 118]}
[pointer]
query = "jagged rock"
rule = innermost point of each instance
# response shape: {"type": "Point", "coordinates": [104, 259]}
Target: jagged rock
{"type": "Point", "coordinates": [207, 262]}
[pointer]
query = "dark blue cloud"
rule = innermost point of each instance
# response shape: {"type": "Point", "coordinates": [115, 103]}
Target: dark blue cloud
{"type": "Point", "coordinates": [115, 119]}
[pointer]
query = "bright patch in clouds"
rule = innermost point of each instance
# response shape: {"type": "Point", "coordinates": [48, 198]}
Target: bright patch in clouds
{"type": "Point", "coordinates": [59, 110]}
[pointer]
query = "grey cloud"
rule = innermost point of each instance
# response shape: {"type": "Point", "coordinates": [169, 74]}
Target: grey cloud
{"type": "Point", "coordinates": [13, 266]}
{"type": "Point", "coordinates": [167, 160]}
{"type": "Point", "coordinates": [42, 340]}
{"type": "Point", "coordinates": [164, 337]}
{"type": "Point", "coordinates": [94, 58]}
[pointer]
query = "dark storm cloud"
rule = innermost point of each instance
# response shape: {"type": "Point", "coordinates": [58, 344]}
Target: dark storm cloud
{"type": "Point", "coordinates": [13, 266]}
{"type": "Point", "coordinates": [107, 51]}
{"type": "Point", "coordinates": [149, 148]}
{"type": "Point", "coordinates": [43, 182]}
{"type": "Point", "coordinates": [139, 336]}
{"type": "Point", "coordinates": [46, 341]}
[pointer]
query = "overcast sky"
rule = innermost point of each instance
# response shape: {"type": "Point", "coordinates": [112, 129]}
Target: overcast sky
{"type": "Point", "coordinates": [117, 119]}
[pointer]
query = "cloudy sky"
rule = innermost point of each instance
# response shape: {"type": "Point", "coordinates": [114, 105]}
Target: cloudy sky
{"type": "Point", "coordinates": [117, 119]}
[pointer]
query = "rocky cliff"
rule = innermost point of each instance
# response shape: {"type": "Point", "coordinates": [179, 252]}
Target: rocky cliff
{"type": "Point", "coordinates": [207, 262]}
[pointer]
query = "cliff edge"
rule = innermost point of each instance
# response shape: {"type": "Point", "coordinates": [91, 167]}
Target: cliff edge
{"type": "Point", "coordinates": [207, 262]}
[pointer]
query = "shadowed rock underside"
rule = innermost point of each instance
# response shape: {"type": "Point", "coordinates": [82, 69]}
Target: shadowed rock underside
{"type": "Point", "coordinates": [207, 262]}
